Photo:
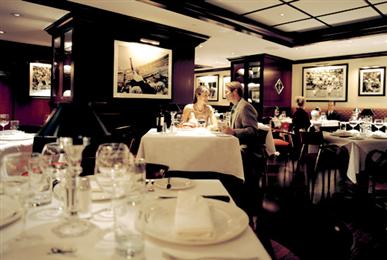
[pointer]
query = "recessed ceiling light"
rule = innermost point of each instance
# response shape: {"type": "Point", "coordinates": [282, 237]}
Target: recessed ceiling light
{"type": "Point", "coordinates": [282, 14]}
{"type": "Point", "coordinates": [16, 14]}
{"type": "Point", "coordinates": [2, 32]}
{"type": "Point", "coordinates": [200, 46]}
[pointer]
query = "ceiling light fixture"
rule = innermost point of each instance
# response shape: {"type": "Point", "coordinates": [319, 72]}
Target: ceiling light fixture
{"type": "Point", "coordinates": [282, 14]}
{"type": "Point", "coordinates": [153, 42]}
{"type": "Point", "coordinates": [2, 32]}
{"type": "Point", "coordinates": [16, 14]}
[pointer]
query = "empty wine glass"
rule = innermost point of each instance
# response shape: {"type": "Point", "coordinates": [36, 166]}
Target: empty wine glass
{"type": "Point", "coordinates": [73, 226]}
{"type": "Point", "coordinates": [16, 182]}
{"type": "Point", "coordinates": [112, 160]}
{"type": "Point", "coordinates": [173, 114]}
{"type": "Point", "coordinates": [55, 165]}
{"type": "Point", "coordinates": [353, 123]}
{"type": "Point", "coordinates": [4, 120]}
{"type": "Point", "coordinates": [378, 123]}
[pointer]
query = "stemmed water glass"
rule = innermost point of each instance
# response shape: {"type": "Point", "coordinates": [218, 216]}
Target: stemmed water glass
{"type": "Point", "coordinates": [73, 226]}
{"type": "Point", "coordinates": [173, 114]}
{"type": "Point", "coordinates": [16, 181]}
{"type": "Point", "coordinates": [111, 165]}
{"type": "Point", "coordinates": [4, 120]}
{"type": "Point", "coordinates": [353, 123]}
{"type": "Point", "coordinates": [378, 123]}
{"type": "Point", "coordinates": [55, 165]}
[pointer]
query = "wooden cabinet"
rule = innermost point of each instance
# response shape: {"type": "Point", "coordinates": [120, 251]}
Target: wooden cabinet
{"type": "Point", "coordinates": [266, 80]}
{"type": "Point", "coordinates": [63, 64]}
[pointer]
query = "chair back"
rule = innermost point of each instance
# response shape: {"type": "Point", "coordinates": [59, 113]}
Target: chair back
{"type": "Point", "coordinates": [376, 165]}
{"type": "Point", "coordinates": [311, 138]}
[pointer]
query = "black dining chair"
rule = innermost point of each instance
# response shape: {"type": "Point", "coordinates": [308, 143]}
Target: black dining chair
{"type": "Point", "coordinates": [317, 157]}
{"type": "Point", "coordinates": [376, 173]}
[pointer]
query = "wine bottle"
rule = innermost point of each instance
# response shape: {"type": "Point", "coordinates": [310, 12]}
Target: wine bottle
{"type": "Point", "coordinates": [160, 121]}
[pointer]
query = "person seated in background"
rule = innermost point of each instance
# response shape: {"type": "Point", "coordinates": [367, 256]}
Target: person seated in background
{"type": "Point", "coordinates": [315, 114]}
{"type": "Point", "coordinates": [300, 116]}
{"type": "Point", "coordinates": [331, 113]}
{"type": "Point", "coordinates": [199, 113]}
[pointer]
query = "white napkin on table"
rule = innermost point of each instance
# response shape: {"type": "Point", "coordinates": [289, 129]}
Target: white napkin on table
{"type": "Point", "coordinates": [193, 217]}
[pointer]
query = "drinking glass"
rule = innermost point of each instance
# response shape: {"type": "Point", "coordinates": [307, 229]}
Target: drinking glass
{"type": "Point", "coordinates": [40, 180]}
{"type": "Point", "coordinates": [353, 123]}
{"type": "Point", "coordinates": [112, 161]}
{"type": "Point", "coordinates": [137, 180]}
{"type": "Point", "coordinates": [16, 181]}
{"type": "Point", "coordinates": [128, 228]}
{"type": "Point", "coordinates": [73, 226]}
{"type": "Point", "coordinates": [378, 123]}
{"type": "Point", "coordinates": [14, 124]}
{"type": "Point", "coordinates": [343, 126]}
{"type": "Point", "coordinates": [202, 122]}
{"type": "Point", "coordinates": [55, 166]}
{"type": "Point", "coordinates": [4, 120]}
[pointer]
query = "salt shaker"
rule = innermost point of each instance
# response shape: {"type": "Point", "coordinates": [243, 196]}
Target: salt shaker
{"type": "Point", "coordinates": [84, 197]}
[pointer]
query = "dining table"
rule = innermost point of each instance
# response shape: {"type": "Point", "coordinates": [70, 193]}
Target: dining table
{"type": "Point", "coordinates": [358, 147]}
{"type": "Point", "coordinates": [12, 141]}
{"type": "Point", "coordinates": [39, 239]}
{"type": "Point", "coordinates": [193, 150]}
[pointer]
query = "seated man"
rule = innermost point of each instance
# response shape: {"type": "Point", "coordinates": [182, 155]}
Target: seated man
{"type": "Point", "coordinates": [332, 114]}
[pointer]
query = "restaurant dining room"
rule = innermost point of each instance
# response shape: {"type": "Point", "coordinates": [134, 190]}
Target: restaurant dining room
{"type": "Point", "coordinates": [193, 129]}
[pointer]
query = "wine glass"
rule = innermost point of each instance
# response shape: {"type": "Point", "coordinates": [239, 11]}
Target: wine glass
{"type": "Point", "coordinates": [16, 182]}
{"type": "Point", "coordinates": [112, 160]}
{"type": "Point", "coordinates": [353, 123]}
{"type": "Point", "coordinates": [202, 122]}
{"type": "Point", "coordinates": [173, 114]}
{"type": "Point", "coordinates": [55, 167]}
{"type": "Point", "coordinates": [73, 226]}
{"type": "Point", "coordinates": [137, 180]}
{"type": "Point", "coordinates": [378, 123]}
{"type": "Point", "coordinates": [4, 120]}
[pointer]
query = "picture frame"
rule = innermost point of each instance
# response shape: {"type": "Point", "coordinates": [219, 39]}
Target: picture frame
{"type": "Point", "coordinates": [142, 71]}
{"type": "Point", "coordinates": [324, 83]}
{"type": "Point", "coordinates": [212, 83]}
{"type": "Point", "coordinates": [225, 80]}
{"type": "Point", "coordinates": [40, 79]}
{"type": "Point", "coordinates": [372, 81]}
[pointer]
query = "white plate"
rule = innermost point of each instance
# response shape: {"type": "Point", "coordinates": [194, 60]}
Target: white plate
{"type": "Point", "coordinates": [223, 135]}
{"type": "Point", "coordinates": [10, 210]}
{"type": "Point", "coordinates": [229, 221]}
{"type": "Point", "coordinates": [176, 183]}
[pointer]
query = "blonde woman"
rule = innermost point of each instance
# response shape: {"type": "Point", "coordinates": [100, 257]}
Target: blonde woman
{"type": "Point", "coordinates": [199, 113]}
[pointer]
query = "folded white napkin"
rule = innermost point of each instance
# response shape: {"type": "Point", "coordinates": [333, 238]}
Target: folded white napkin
{"type": "Point", "coordinates": [193, 217]}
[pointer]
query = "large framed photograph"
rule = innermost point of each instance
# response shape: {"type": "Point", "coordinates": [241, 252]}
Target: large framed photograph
{"type": "Point", "coordinates": [211, 82]}
{"type": "Point", "coordinates": [142, 71]}
{"type": "Point", "coordinates": [372, 81]}
{"type": "Point", "coordinates": [40, 79]}
{"type": "Point", "coordinates": [325, 83]}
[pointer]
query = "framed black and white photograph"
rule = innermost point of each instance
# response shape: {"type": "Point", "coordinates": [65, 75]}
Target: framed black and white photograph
{"type": "Point", "coordinates": [211, 82]}
{"type": "Point", "coordinates": [142, 71]}
{"type": "Point", "coordinates": [40, 79]}
{"type": "Point", "coordinates": [372, 81]}
{"type": "Point", "coordinates": [325, 83]}
{"type": "Point", "coordinates": [225, 80]}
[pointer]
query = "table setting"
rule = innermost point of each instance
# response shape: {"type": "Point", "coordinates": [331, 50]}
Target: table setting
{"type": "Point", "coordinates": [179, 219]}
{"type": "Point", "coordinates": [358, 143]}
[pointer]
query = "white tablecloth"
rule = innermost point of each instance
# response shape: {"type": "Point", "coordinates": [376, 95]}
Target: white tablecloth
{"type": "Point", "coordinates": [358, 150]}
{"type": "Point", "coordinates": [269, 141]}
{"type": "Point", "coordinates": [196, 150]}
{"type": "Point", "coordinates": [97, 246]}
